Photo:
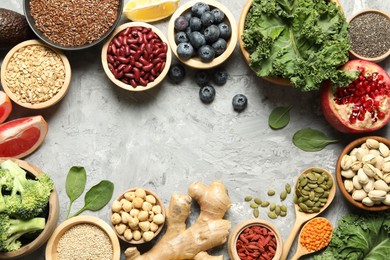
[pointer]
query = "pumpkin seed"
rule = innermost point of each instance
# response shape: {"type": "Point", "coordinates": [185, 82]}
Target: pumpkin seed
{"type": "Point", "coordinates": [329, 183]}
{"type": "Point", "coordinates": [277, 210]}
{"type": "Point", "coordinates": [315, 209]}
{"type": "Point", "coordinates": [309, 203]}
{"type": "Point", "coordinates": [312, 186]}
{"type": "Point", "coordinates": [303, 182]}
{"type": "Point", "coordinates": [272, 215]}
{"type": "Point", "coordinates": [318, 170]}
{"type": "Point", "coordinates": [271, 192]}
{"type": "Point", "coordinates": [256, 212]}
{"type": "Point", "coordinates": [312, 195]}
{"type": "Point", "coordinates": [248, 198]}
{"type": "Point", "coordinates": [288, 188]}
{"type": "Point", "coordinates": [257, 200]}
{"type": "Point", "coordinates": [319, 190]}
{"type": "Point", "coordinates": [254, 205]}
{"type": "Point", "coordinates": [311, 176]}
{"type": "Point", "coordinates": [265, 204]}
{"type": "Point", "coordinates": [283, 195]}
{"type": "Point", "coordinates": [303, 207]}
{"type": "Point", "coordinates": [272, 207]}
{"type": "Point", "coordinates": [321, 179]}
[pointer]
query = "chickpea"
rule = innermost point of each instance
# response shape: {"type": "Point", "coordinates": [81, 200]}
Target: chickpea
{"type": "Point", "coordinates": [156, 209]}
{"type": "Point", "coordinates": [143, 215]}
{"type": "Point", "coordinates": [134, 212]}
{"type": "Point", "coordinates": [140, 193]}
{"type": "Point", "coordinates": [147, 206]}
{"type": "Point", "coordinates": [125, 217]}
{"type": "Point", "coordinates": [144, 225]}
{"type": "Point", "coordinates": [133, 223]}
{"type": "Point", "coordinates": [136, 235]}
{"type": "Point", "coordinates": [120, 228]}
{"type": "Point", "coordinates": [116, 206]}
{"type": "Point", "coordinates": [130, 195]}
{"type": "Point", "coordinates": [158, 219]}
{"type": "Point", "coordinates": [151, 199]}
{"type": "Point", "coordinates": [153, 227]}
{"type": "Point", "coordinates": [137, 202]}
{"type": "Point", "coordinates": [127, 205]}
{"type": "Point", "coordinates": [116, 218]}
{"type": "Point", "coordinates": [128, 234]}
{"type": "Point", "coordinates": [151, 216]}
{"type": "Point", "coordinates": [148, 235]}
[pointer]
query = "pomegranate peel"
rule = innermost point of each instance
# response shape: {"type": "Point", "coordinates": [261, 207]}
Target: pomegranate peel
{"type": "Point", "coordinates": [364, 105]}
{"type": "Point", "coordinates": [22, 136]}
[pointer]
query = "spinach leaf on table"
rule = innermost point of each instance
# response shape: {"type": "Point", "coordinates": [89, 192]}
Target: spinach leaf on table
{"type": "Point", "coordinates": [311, 140]}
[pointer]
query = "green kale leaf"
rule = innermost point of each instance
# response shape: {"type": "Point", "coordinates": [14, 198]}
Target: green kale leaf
{"type": "Point", "coordinates": [300, 40]}
{"type": "Point", "coordinates": [364, 236]}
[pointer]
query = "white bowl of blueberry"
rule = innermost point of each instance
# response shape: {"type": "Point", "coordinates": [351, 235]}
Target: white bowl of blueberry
{"type": "Point", "coordinates": [202, 33]}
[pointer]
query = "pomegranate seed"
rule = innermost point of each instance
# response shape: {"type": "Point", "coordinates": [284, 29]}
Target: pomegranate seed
{"type": "Point", "coordinates": [352, 119]}
{"type": "Point", "coordinates": [380, 77]}
{"type": "Point", "coordinates": [381, 115]}
{"type": "Point", "coordinates": [361, 117]}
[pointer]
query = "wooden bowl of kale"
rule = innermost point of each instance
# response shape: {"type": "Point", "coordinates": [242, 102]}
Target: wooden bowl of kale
{"type": "Point", "coordinates": [299, 45]}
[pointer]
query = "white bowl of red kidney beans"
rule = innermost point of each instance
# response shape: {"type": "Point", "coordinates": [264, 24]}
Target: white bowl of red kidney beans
{"type": "Point", "coordinates": [255, 239]}
{"type": "Point", "coordinates": [73, 25]}
{"type": "Point", "coordinates": [136, 57]}
{"type": "Point", "coordinates": [202, 33]}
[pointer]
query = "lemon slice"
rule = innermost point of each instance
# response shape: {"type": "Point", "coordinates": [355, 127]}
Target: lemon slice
{"type": "Point", "coordinates": [149, 10]}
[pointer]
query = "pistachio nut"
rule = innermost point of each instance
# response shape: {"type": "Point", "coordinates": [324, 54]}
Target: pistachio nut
{"type": "Point", "coordinates": [369, 186]}
{"type": "Point", "coordinates": [356, 183]}
{"type": "Point", "coordinates": [354, 151]}
{"type": "Point", "coordinates": [362, 177]}
{"type": "Point", "coordinates": [346, 162]}
{"type": "Point", "coordinates": [379, 161]}
{"type": "Point", "coordinates": [386, 178]}
{"type": "Point", "coordinates": [360, 153]}
{"type": "Point", "coordinates": [369, 158]}
{"type": "Point", "coordinates": [348, 184]}
{"type": "Point", "coordinates": [384, 150]}
{"type": "Point", "coordinates": [356, 166]}
{"type": "Point", "coordinates": [386, 167]}
{"type": "Point", "coordinates": [372, 143]}
{"type": "Point", "coordinates": [374, 152]}
{"type": "Point", "coordinates": [348, 173]}
{"type": "Point", "coordinates": [369, 169]}
{"type": "Point", "coordinates": [381, 185]}
{"type": "Point", "coordinates": [359, 195]}
{"type": "Point", "coordinates": [368, 202]}
{"type": "Point", "coordinates": [377, 195]}
{"type": "Point", "coordinates": [387, 200]}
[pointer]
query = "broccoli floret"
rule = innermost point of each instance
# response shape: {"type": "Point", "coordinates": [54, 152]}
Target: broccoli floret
{"type": "Point", "coordinates": [6, 184]}
{"type": "Point", "coordinates": [12, 229]}
{"type": "Point", "coordinates": [28, 198]}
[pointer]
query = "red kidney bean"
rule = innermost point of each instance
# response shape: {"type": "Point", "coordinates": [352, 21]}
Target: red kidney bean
{"type": "Point", "coordinates": [136, 56]}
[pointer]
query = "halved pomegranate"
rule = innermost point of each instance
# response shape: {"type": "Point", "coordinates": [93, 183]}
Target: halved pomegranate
{"type": "Point", "coordinates": [364, 105]}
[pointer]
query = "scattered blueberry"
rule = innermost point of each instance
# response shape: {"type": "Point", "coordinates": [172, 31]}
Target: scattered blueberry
{"type": "Point", "coordinates": [218, 15]}
{"type": "Point", "coordinates": [199, 8]}
{"type": "Point", "coordinates": [197, 39]}
{"type": "Point", "coordinates": [225, 30]}
{"type": "Point", "coordinates": [211, 33]}
{"type": "Point", "coordinates": [195, 23]}
{"type": "Point", "coordinates": [207, 18]}
{"type": "Point", "coordinates": [176, 73]}
{"type": "Point", "coordinates": [206, 53]}
{"type": "Point", "coordinates": [239, 102]}
{"type": "Point", "coordinates": [219, 46]}
{"type": "Point", "coordinates": [202, 78]}
{"type": "Point", "coordinates": [188, 16]}
{"type": "Point", "coordinates": [181, 23]}
{"type": "Point", "coordinates": [185, 50]}
{"type": "Point", "coordinates": [207, 94]}
{"type": "Point", "coordinates": [181, 37]}
{"type": "Point", "coordinates": [220, 76]}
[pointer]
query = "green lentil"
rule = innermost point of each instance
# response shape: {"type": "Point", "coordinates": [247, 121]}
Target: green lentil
{"type": "Point", "coordinates": [369, 34]}
{"type": "Point", "coordinates": [265, 204]}
{"type": "Point", "coordinates": [258, 201]}
{"type": "Point", "coordinates": [254, 205]}
{"type": "Point", "coordinates": [271, 192]}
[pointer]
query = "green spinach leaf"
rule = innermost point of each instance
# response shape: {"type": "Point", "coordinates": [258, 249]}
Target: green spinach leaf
{"type": "Point", "coordinates": [279, 117]}
{"type": "Point", "coordinates": [311, 140]}
{"type": "Point", "coordinates": [97, 197]}
{"type": "Point", "coordinates": [75, 184]}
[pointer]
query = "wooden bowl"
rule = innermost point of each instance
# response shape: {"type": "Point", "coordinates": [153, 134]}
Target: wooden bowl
{"type": "Point", "coordinates": [340, 179]}
{"type": "Point", "coordinates": [238, 229]}
{"type": "Point", "coordinates": [355, 55]}
{"type": "Point", "coordinates": [56, 98]}
{"type": "Point", "coordinates": [51, 222]}
{"type": "Point", "coordinates": [43, 37]}
{"type": "Point", "coordinates": [128, 86]}
{"type": "Point", "coordinates": [195, 62]}
{"type": "Point", "coordinates": [241, 25]}
{"type": "Point", "coordinates": [158, 202]}
{"type": "Point", "coordinates": [51, 247]}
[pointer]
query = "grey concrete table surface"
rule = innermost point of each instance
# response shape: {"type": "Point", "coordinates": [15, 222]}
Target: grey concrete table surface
{"type": "Point", "coordinates": [165, 139]}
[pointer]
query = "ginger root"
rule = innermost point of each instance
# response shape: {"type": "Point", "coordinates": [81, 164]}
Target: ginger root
{"type": "Point", "coordinates": [209, 230]}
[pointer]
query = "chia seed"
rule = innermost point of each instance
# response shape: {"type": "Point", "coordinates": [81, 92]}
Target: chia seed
{"type": "Point", "coordinates": [370, 34]}
{"type": "Point", "coordinates": [74, 23]}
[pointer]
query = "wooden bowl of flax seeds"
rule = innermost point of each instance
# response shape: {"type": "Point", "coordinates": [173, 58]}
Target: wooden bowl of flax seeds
{"type": "Point", "coordinates": [35, 75]}
{"type": "Point", "coordinates": [83, 237]}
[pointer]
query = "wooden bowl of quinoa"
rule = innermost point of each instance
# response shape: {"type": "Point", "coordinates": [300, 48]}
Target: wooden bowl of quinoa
{"type": "Point", "coordinates": [35, 75]}
{"type": "Point", "coordinates": [83, 237]}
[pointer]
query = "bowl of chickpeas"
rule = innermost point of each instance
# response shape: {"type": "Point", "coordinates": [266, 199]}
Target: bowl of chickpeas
{"type": "Point", "coordinates": [137, 215]}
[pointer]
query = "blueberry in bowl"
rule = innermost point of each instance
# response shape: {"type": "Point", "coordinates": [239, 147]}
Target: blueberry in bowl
{"type": "Point", "coordinates": [211, 30]}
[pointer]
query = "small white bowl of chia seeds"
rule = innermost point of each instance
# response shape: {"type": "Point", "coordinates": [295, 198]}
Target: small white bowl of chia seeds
{"type": "Point", "coordinates": [369, 31]}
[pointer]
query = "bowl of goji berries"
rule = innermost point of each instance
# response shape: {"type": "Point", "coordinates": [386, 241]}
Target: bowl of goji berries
{"type": "Point", "coordinates": [136, 57]}
{"type": "Point", "coordinates": [255, 239]}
